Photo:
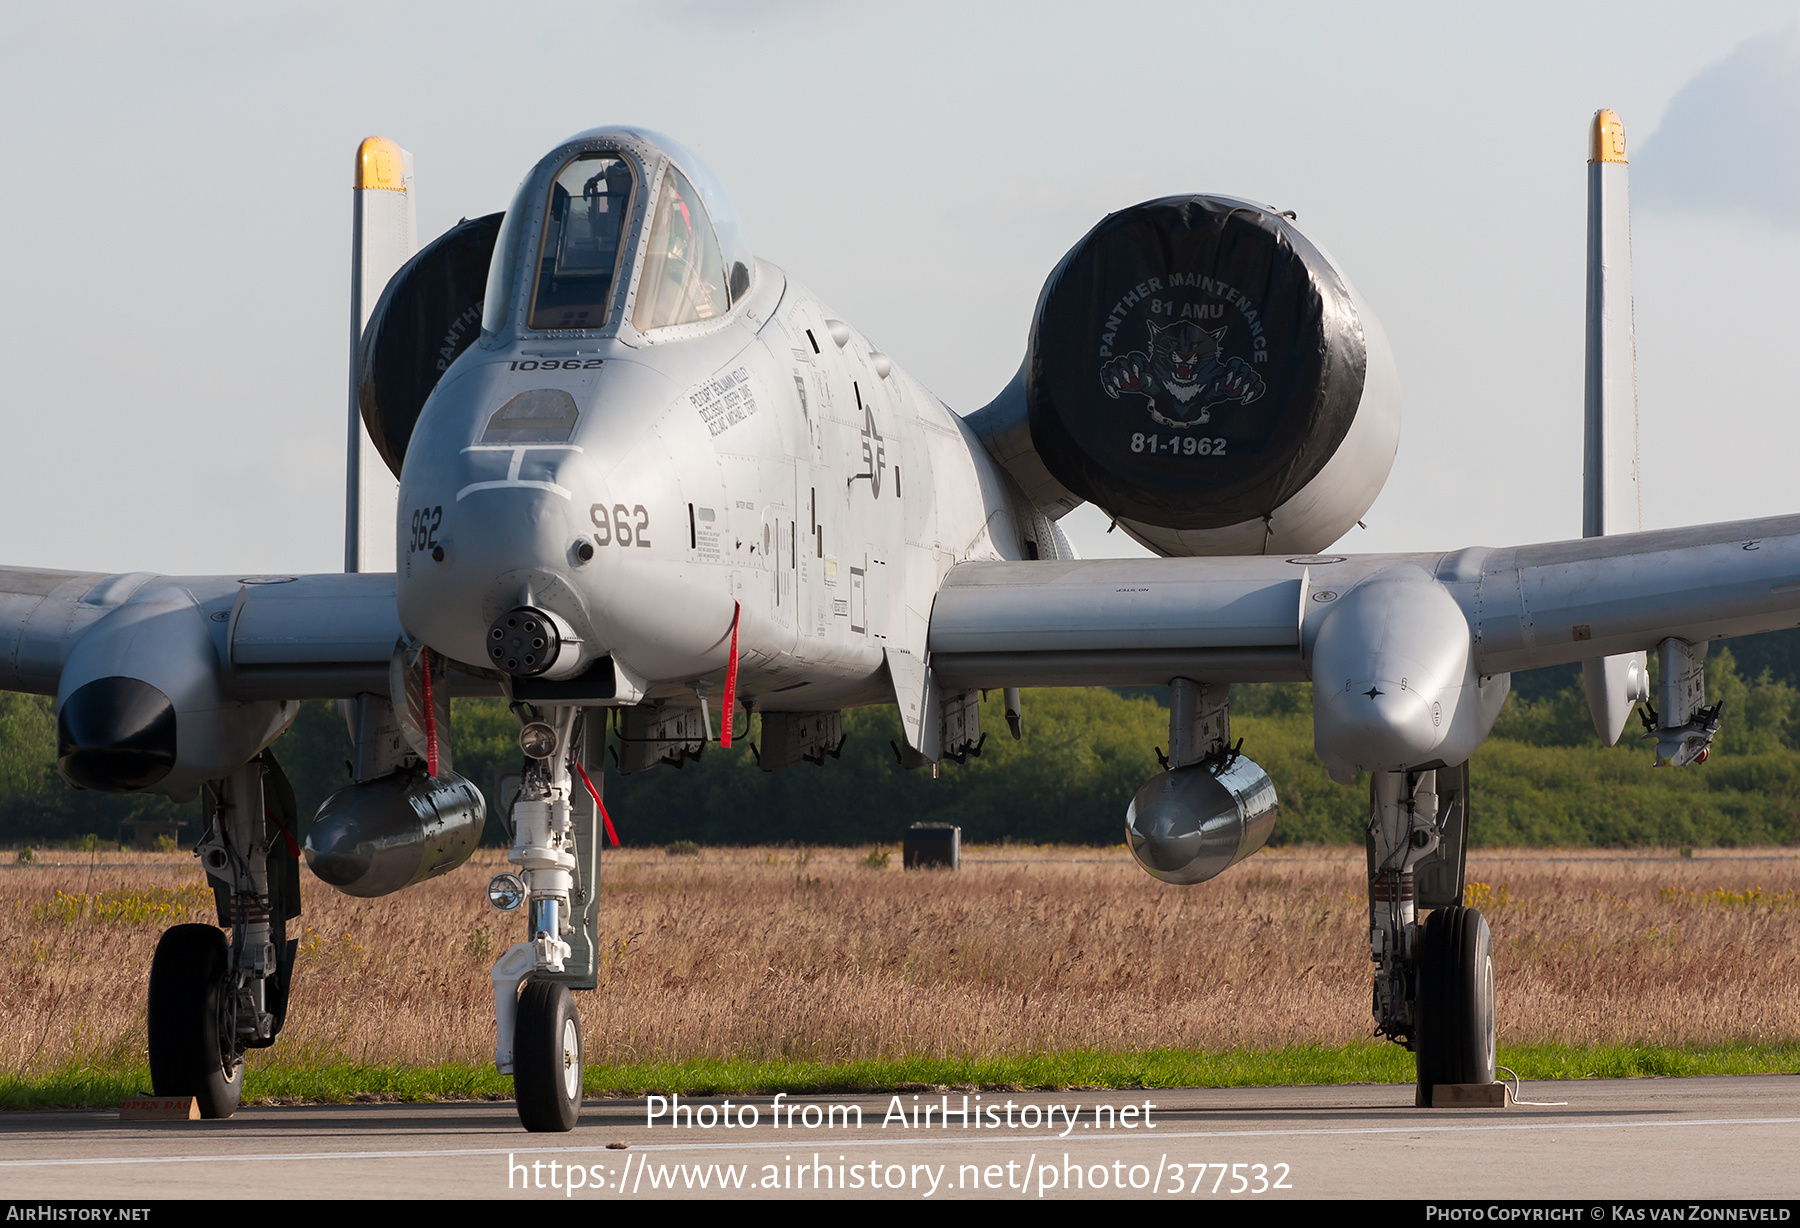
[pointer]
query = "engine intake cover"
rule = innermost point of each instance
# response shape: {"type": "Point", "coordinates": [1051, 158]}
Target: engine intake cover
{"type": "Point", "coordinates": [428, 315]}
{"type": "Point", "coordinates": [1194, 361]}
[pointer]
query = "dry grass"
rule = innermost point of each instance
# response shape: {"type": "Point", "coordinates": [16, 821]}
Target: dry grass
{"type": "Point", "coordinates": [816, 956]}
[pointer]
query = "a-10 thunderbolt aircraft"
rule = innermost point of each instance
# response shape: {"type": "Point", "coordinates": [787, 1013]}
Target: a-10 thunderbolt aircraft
{"type": "Point", "coordinates": [646, 479]}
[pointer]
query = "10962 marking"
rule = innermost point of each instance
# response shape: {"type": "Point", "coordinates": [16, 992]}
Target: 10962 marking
{"type": "Point", "coordinates": [555, 364]}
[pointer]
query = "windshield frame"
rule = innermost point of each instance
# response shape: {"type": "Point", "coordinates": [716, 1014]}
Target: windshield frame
{"type": "Point", "coordinates": [621, 254]}
{"type": "Point", "coordinates": [512, 278]}
{"type": "Point", "coordinates": [646, 256]}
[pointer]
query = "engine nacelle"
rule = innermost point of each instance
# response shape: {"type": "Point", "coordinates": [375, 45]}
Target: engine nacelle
{"type": "Point", "coordinates": [374, 838]}
{"type": "Point", "coordinates": [428, 315]}
{"type": "Point", "coordinates": [1188, 824]}
{"type": "Point", "coordinates": [1202, 372]}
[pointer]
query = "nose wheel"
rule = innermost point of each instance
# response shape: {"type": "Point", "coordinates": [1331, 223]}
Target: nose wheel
{"type": "Point", "coordinates": [193, 1038]}
{"type": "Point", "coordinates": [1456, 1001]}
{"type": "Point", "coordinates": [547, 1058]}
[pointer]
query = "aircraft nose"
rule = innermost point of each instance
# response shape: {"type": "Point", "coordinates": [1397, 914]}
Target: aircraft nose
{"type": "Point", "coordinates": [501, 550]}
{"type": "Point", "coordinates": [587, 534]}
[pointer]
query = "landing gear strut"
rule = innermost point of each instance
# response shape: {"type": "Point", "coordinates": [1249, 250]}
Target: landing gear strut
{"type": "Point", "coordinates": [556, 849]}
{"type": "Point", "coordinates": [1434, 983]}
{"type": "Point", "coordinates": [213, 998]}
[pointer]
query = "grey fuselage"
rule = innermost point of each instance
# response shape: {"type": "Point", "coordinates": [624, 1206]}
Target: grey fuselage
{"type": "Point", "coordinates": [772, 459]}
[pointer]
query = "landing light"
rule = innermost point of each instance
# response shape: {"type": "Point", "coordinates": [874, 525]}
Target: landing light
{"type": "Point", "coordinates": [506, 892]}
{"type": "Point", "coordinates": [538, 740]}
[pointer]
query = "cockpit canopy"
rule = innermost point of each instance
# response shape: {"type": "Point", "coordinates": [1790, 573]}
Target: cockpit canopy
{"type": "Point", "coordinates": [590, 201]}
{"type": "Point", "coordinates": [617, 227]}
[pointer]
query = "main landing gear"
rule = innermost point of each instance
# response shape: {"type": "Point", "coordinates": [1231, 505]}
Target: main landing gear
{"type": "Point", "coordinates": [555, 826]}
{"type": "Point", "coordinates": [1434, 983]}
{"type": "Point", "coordinates": [1455, 1041]}
{"type": "Point", "coordinates": [213, 998]}
{"type": "Point", "coordinates": [193, 1038]}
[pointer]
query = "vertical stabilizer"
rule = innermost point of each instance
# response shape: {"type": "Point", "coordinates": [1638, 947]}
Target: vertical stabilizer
{"type": "Point", "coordinates": [1609, 502]}
{"type": "Point", "coordinates": [384, 237]}
{"type": "Point", "coordinates": [1609, 480]}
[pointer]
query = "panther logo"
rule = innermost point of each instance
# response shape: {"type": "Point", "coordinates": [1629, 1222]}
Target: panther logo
{"type": "Point", "coordinates": [1183, 375]}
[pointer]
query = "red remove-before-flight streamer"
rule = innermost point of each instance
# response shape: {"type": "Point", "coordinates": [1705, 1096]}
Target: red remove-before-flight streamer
{"type": "Point", "coordinates": [730, 680]}
{"type": "Point", "coordinates": [595, 794]}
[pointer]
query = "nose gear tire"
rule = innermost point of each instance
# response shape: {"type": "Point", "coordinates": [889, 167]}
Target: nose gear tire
{"type": "Point", "coordinates": [1456, 1001]}
{"type": "Point", "coordinates": [547, 1058]}
{"type": "Point", "coordinates": [192, 1043]}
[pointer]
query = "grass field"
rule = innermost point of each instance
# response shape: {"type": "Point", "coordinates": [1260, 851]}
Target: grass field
{"type": "Point", "coordinates": [742, 969]}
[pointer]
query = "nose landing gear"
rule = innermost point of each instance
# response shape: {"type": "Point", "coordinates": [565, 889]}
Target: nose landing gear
{"type": "Point", "coordinates": [547, 1058]}
{"type": "Point", "coordinates": [556, 846]}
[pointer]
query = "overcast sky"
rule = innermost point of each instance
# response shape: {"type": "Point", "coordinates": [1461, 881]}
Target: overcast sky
{"type": "Point", "coordinates": [174, 246]}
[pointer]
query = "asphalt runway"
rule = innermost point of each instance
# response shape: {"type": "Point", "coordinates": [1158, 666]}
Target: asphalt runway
{"type": "Point", "coordinates": [1714, 1138]}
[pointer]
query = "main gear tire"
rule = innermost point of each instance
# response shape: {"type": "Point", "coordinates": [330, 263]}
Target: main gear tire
{"type": "Point", "coordinates": [193, 1050]}
{"type": "Point", "coordinates": [547, 1058]}
{"type": "Point", "coordinates": [1456, 1001]}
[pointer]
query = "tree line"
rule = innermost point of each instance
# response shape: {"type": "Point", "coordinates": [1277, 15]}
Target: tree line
{"type": "Point", "coordinates": [1542, 779]}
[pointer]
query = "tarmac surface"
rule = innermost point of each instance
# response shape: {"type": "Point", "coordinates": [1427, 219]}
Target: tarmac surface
{"type": "Point", "coordinates": [1709, 1138]}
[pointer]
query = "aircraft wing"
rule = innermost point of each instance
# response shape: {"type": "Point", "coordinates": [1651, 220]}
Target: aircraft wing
{"type": "Point", "coordinates": [318, 637]}
{"type": "Point", "coordinates": [1119, 622]}
{"type": "Point", "coordinates": [42, 613]}
{"type": "Point", "coordinates": [261, 637]}
{"type": "Point", "coordinates": [1123, 622]}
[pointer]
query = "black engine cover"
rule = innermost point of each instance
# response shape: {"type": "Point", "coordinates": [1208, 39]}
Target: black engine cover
{"type": "Point", "coordinates": [1194, 361]}
{"type": "Point", "coordinates": [428, 315]}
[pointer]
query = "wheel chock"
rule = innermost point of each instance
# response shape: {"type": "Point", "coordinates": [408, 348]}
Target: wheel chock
{"type": "Point", "coordinates": [1471, 1096]}
{"type": "Point", "coordinates": [160, 1108]}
